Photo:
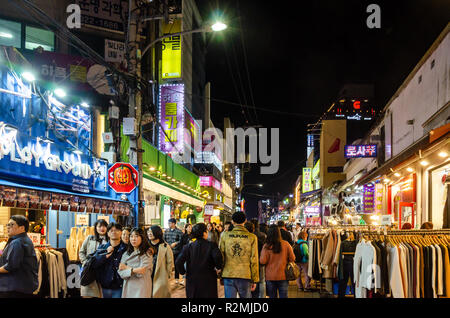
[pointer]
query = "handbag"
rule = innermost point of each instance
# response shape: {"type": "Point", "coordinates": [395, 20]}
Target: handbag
{"type": "Point", "coordinates": [88, 274]}
{"type": "Point", "coordinates": [292, 271]}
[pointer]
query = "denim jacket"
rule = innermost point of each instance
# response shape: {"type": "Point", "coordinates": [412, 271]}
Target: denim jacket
{"type": "Point", "coordinates": [19, 259]}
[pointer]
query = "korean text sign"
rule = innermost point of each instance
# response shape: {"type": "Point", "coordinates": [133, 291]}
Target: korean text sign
{"type": "Point", "coordinates": [105, 14]}
{"type": "Point", "coordinates": [360, 151]}
{"type": "Point", "coordinates": [307, 185]}
{"type": "Point", "coordinates": [171, 51]}
{"type": "Point", "coordinates": [171, 114]}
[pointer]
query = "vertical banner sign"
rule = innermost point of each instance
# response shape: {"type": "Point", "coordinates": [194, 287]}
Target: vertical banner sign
{"type": "Point", "coordinates": [307, 185]}
{"type": "Point", "coordinates": [192, 131]}
{"type": "Point", "coordinates": [171, 51]}
{"type": "Point", "coordinates": [369, 198]}
{"type": "Point", "coordinates": [171, 115]}
{"type": "Point", "coordinates": [310, 145]}
{"type": "Point", "coordinates": [379, 198]}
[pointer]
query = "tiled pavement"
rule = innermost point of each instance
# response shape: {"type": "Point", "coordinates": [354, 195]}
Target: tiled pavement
{"type": "Point", "coordinates": [179, 291]}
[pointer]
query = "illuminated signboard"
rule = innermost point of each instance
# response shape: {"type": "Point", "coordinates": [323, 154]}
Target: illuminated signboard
{"type": "Point", "coordinates": [238, 178]}
{"type": "Point", "coordinates": [171, 51]}
{"type": "Point", "coordinates": [312, 210]}
{"type": "Point", "coordinates": [306, 184]}
{"type": "Point", "coordinates": [192, 131]}
{"type": "Point", "coordinates": [354, 110]}
{"type": "Point", "coordinates": [369, 198]}
{"type": "Point", "coordinates": [208, 181]}
{"type": "Point", "coordinates": [316, 170]}
{"type": "Point", "coordinates": [360, 151]}
{"type": "Point", "coordinates": [310, 145]}
{"type": "Point", "coordinates": [171, 114]}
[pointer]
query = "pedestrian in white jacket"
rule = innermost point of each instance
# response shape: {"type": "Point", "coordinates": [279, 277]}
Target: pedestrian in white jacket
{"type": "Point", "coordinates": [136, 267]}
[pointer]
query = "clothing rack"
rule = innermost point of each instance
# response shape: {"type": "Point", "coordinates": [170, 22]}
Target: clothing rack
{"type": "Point", "coordinates": [42, 245]}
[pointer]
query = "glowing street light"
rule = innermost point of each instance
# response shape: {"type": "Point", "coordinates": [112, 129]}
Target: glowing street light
{"type": "Point", "coordinates": [60, 92]}
{"type": "Point", "coordinates": [218, 26]}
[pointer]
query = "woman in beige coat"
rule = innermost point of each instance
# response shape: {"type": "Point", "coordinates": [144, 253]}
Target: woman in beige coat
{"type": "Point", "coordinates": [90, 245]}
{"type": "Point", "coordinates": [162, 263]}
{"type": "Point", "coordinates": [136, 267]}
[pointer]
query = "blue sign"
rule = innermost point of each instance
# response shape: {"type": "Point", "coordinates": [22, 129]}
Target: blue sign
{"type": "Point", "coordinates": [360, 151]}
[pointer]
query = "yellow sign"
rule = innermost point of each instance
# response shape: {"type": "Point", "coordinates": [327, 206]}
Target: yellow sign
{"type": "Point", "coordinates": [171, 51]}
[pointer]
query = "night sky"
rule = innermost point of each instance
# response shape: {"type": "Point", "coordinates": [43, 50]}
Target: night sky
{"type": "Point", "coordinates": [299, 54]}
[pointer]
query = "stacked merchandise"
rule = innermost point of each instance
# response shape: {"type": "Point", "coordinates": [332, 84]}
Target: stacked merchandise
{"type": "Point", "coordinates": [52, 272]}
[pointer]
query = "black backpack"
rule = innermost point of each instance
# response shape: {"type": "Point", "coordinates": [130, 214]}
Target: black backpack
{"type": "Point", "coordinates": [298, 252]}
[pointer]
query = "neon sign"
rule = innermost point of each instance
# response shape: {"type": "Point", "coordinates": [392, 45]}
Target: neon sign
{"type": "Point", "coordinates": [360, 151]}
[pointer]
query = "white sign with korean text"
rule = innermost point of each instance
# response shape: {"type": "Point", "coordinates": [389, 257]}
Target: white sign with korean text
{"type": "Point", "coordinates": [114, 51]}
{"type": "Point", "coordinates": [103, 217]}
{"type": "Point", "coordinates": [35, 238]}
{"type": "Point", "coordinates": [82, 220]}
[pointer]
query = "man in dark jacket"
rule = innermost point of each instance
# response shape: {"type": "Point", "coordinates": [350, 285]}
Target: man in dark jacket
{"type": "Point", "coordinates": [107, 260]}
{"type": "Point", "coordinates": [203, 262]}
{"type": "Point", "coordinates": [285, 235]}
{"type": "Point", "coordinates": [18, 263]}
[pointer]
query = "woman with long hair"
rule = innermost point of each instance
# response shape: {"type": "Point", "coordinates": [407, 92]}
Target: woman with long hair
{"type": "Point", "coordinates": [90, 246]}
{"type": "Point", "coordinates": [275, 255]}
{"type": "Point", "coordinates": [212, 234]}
{"type": "Point", "coordinates": [162, 262]}
{"type": "Point", "coordinates": [136, 267]}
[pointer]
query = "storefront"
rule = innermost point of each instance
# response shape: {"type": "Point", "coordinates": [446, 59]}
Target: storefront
{"type": "Point", "coordinates": [47, 172]}
{"type": "Point", "coordinates": [439, 178]}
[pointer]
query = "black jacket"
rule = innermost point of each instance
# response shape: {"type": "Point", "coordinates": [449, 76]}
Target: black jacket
{"type": "Point", "coordinates": [285, 235]}
{"type": "Point", "coordinates": [19, 259]}
{"type": "Point", "coordinates": [201, 257]}
{"type": "Point", "coordinates": [106, 268]}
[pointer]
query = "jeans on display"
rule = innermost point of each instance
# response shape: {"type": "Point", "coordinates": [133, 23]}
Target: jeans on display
{"type": "Point", "coordinates": [233, 286]}
{"type": "Point", "coordinates": [112, 293]}
{"type": "Point", "coordinates": [279, 287]}
{"type": "Point", "coordinates": [303, 267]}
{"type": "Point", "coordinates": [347, 272]}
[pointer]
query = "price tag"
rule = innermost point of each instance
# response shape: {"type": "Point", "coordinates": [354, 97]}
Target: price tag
{"type": "Point", "coordinates": [35, 238]}
{"type": "Point", "coordinates": [103, 217]}
{"type": "Point", "coordinates": [82, 220]}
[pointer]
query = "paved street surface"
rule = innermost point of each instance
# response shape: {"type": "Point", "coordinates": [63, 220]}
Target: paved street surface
{"type": "Point", "coordinates": [179, 291]}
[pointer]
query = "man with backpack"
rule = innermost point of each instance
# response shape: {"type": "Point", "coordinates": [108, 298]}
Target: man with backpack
{"type": "Point", "coordinates": [301, 258]}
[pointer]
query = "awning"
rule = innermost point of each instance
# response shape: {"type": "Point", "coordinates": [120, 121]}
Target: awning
{"type": "Point", "coordinates": [307, 195]}
{"type": "Point", "coordinates": [170, 191]}
{"type": "Point", "coordinates": [55, 190]}
{"type": "Point", "coordinates": [422, 143]}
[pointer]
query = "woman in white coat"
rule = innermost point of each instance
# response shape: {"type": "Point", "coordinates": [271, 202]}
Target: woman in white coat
{"type": "Point", "coordinates": [136, 267]}
{"type": "Point", "coordinates": [90, 245]}
{"type": "Point", "coordinates": [162, 262]}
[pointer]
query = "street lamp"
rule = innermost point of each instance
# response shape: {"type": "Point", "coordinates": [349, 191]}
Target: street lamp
{"type": "Point", "coordinates": [216, 27]}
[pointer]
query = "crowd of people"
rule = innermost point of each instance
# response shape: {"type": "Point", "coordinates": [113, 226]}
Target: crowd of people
{"type": "Point", "coordinates": [248, 258]}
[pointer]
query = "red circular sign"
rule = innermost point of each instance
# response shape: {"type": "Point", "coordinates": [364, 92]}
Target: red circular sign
{"type": "Point", "coordinates": [123, 177]}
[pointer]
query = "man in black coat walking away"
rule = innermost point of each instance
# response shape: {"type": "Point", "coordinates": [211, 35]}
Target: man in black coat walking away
{"type": "Point", "coordinates": [203, 262]}
{"type": "Point", "coordinates": [285, 235]}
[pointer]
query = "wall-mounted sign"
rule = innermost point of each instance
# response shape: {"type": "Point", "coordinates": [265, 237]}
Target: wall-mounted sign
{"type": "Point", "coordinates": [82, 220]}
{"type": "Point", "coordinates": [171, 51]}
{"type": "Point", "coordinates": [209, 209]}
{"type": "Point", "coordinates": [114, 51]}
{"type": "Point", "coordinates": [238, 178]}
{"type": "Point", "coordinates": [312, 210]}
{"type": "Point", "coordinates": [316, 175]}
{"type": "Point", "coordinates": [208, 181]}
{"type": "Point", "coordinates": [310, 145]}
{"type": "Point", "coordinates": [306, 177]}
{"type": "Point", "coordinates": [360, 151]}
{"type": "Point", "coordinates": [171, 115]}
{"type": "Point", "coordinates": [192, 132]}
{"type": "Point", "coordinates": [123, 177]}
{"type": "Point", "coordinates": [379, 189]}
{"type": "Point", "coordinates": [105, 14]}
{"type": "Point", "coordinates": [369, 198]}
{"type": "Point", "coordinates": [103, 217]}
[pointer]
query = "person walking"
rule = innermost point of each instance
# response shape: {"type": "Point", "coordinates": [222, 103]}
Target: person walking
{"type": "Point", "coordinates": [18, 263]}
{"type": "Point", "coordinates": [260, 291]}
{"type": "Point", "coordinates": [203, 263]}
{"type": "Point", "coordinates": [185, 240]}
{"type": "Point", "coordinates": [301, 259]}
{"type": "Point", "coordinates": [136, 267]}
{"type": "Point", "coordinates": [240, 253]}
{"type": "Point", "coordinates": [275, 254]}
{"type": "Point", "coordinates": [173, 237]}
{"type": "Point", "coordinates": [89, 247]}
{"type": "Point", "coordinates": [297, 230]}
{"type": "Point", "coordinates": [285, 235]}
{"type": "Point", "coordinates": [162, 263]}
{"type": "Point", "coordinates": [107, 260]}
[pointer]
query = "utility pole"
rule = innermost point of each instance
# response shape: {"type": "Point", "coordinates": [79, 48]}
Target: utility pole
{"type": "Point", "coordinates": [134, 96]}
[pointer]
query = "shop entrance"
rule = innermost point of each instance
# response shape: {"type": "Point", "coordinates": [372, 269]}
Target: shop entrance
{"type": "Point", "coordinates": [407, 213]}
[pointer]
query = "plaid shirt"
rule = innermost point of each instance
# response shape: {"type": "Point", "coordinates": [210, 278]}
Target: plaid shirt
{"type": "Point", "coordinates": [172, 236]}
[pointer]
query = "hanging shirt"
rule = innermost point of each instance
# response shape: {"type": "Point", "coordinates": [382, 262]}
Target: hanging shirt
{"type": "Point", "coordinates": [395, 275]}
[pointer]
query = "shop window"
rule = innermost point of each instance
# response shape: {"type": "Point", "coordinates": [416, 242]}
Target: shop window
{"type": "Point", "coordinates": [35, 37]}
{"type": "Point", "coordinates": [10, 33]}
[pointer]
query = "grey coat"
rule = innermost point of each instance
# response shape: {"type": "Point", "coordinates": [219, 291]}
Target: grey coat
{"type": "Point", "coordinates": [163, 270]}
{"type": "Point", "coordinates": [89, 246]}
{"type": "Point", "coordinates": [136, 285]}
